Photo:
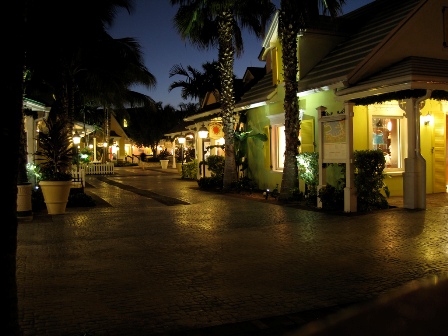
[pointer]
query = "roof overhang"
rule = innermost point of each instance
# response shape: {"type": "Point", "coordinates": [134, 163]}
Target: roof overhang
{"type": "Point", "coordinates": [374, 89]}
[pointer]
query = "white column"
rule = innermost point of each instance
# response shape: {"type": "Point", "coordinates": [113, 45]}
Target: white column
{"type": "Point", "coordinates": [414, 178]}
{"type": "Point", "coordinates": [321, 110]}
{"type": "Point", "coordinates": [94, 149]}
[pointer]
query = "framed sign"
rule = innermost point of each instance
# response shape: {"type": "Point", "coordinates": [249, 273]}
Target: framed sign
{"type": "Point", "coordinates": [334, 141]}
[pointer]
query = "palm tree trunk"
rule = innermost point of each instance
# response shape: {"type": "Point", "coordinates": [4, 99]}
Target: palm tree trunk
{"type": "Point", "coordinates": [12, 90]}
{"type": "Point", "coordinates": [288, 36]}
{"type": "Point", "coordinates": [226, 60]}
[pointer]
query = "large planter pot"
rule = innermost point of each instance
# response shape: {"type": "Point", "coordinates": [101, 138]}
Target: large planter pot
{"type": "Point", "coordinates": [24, 204]}
{"type": "Point", "coordinates": [164, 163]}
{"type": "Point", "coordinates": [55, 195]}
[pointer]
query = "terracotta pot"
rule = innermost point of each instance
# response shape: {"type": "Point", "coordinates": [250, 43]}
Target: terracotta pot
{"type": "Point", "coordinates": [164, 163]}
{"type": "Point", "coordinates": [24, 204]}
{"type": "Point", "coordinates": [55, 195]}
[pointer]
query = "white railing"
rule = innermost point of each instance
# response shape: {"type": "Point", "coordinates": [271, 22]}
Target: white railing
{"type": "Point", "coordinates": [78, 177]}
{"type": "Point", "coordinates": [98, 168]}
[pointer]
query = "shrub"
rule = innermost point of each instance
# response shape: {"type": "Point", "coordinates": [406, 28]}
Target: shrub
{"type": "Point", "coordinates": [215, 164]}
{"type": "Point", "coordinates": [190, 170]}
{"type": "Point", "coordinates": [369, 180]}
{"type": "Point", "coordinates": [308, 165]}
{"type": "Point", "coordinates": [331, 197]}
{"type": "Point", "coordinates": [209, 183]}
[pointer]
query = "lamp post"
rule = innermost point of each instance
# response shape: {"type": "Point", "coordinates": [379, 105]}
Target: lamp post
{"type": "Point", "coordinates": [104, 151]}
{"type": "Point", "coordinates": [203, 134]}
{"type": "Point", "coordinates": [76, 141]}
{"type": "Point", "coordinates": [181, 139]}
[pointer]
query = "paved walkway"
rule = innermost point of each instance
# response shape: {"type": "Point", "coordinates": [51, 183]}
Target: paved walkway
{"type": "Point", "coordinates": [158, 256]}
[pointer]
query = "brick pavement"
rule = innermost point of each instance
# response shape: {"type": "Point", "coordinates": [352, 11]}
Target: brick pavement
{"type": "Point", "coordinates": [157, 256]}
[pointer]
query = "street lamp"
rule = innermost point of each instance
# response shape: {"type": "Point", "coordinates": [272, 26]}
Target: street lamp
{"type": "Point", "coordinates": [76, 141]}
{"type": "Point", "coordinates": [203, 134]}
{"type": "Point", "coordinates": [181, 139]}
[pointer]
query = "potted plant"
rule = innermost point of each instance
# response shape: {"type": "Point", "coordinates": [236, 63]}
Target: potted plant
{"type": "Point", "coordinates": [163, 157]}
{"type": "Point", "coordinates": [56, 152]}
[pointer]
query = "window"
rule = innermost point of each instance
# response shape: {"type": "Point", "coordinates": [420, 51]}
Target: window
{"type": "Point", "coordinates": [388, 134]}
{"type": "Point", "coordinates": [277, 141]}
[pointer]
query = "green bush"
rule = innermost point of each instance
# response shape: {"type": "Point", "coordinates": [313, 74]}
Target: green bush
{"type": "Point", "coordinates": [190, 170]}
{"type": "Point", "coordinates": [215, 164]}
{"type": "Point", "coordinates": [369, 180]}
{"type": "Point", "coordinates": [210, 183]}
{"type": "Point", "coordinates": [331, 197]}
{"type": "Point", "coordinates": [308, 165]}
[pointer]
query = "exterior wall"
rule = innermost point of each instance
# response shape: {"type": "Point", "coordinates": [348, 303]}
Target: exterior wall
{"type": "Point", "coordinates": [258, 152]}
{"type": "Point", "coordinates": [122, 141]}
{"type": "Point", "coordinates": [310, 103]}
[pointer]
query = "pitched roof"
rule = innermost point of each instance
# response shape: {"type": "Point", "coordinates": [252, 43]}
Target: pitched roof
{"type": "Point", "coordinates": [251, 79]}
{"type": "Point", "coordinates": [370, 25]}
{"type": "Point", "coordinates": [259, 92]}
{"type": "Point", "coordinates": [410, 73]}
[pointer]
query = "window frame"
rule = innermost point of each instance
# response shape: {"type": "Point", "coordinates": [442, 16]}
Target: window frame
{"type": "Point", "coordinates": [277, 122]}
{"type": "Point", "coordinates": [393, 111]}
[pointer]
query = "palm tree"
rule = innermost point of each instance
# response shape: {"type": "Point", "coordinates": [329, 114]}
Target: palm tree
{"type": "Point", "coordinates": [294, 17]}
{"type": "Point", "coordinates": [196, 83]}
{"type": "Point", "coordinates": [81, 24]}
{"type": "Point", "coordinates": [211, 23]}
{"type": "Point", "coordinates": [88, 64]}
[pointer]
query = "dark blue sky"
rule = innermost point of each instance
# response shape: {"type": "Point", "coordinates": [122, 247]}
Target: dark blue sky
{"type": "Point", "coordinates": [151, 24]}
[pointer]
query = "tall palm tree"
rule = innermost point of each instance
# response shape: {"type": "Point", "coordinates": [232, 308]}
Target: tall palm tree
{"type": "Point", "coordinates": [211, 23]}
{"type": "Point", "coordinates": [294, 17]}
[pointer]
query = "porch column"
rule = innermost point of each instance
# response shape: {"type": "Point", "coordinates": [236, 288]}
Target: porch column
{"type": "Point", "coordinates": [414, 178]}
{"type": "Point", "coordinates": [350, 197]}
{"type": "Point", "coordinates": [321, 110]}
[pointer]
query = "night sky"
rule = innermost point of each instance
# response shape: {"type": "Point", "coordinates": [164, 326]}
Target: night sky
{"type": "Point", "coordinates": [151, 24]}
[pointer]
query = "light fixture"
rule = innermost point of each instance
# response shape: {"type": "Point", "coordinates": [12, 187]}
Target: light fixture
{"type": "Point", "coordinates": [76, 138]}
{"type": "Point", "coordinates": [389, 125]}
{"type": "Point", "coordinates": [181, 139]}
{"type": "Point", "coordinates": [203, 132]}
{"type": "Point", "coordinates": [427, 119]}
{"type": "Point", "coordinates": [76, 141]}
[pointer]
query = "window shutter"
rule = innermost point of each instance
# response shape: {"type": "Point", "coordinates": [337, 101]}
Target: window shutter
{"type": "Point", "coordinates": [307, 136]}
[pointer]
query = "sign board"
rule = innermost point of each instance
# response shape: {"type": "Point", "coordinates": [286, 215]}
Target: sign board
{"type": "Point", "coordinates": [334, 139]}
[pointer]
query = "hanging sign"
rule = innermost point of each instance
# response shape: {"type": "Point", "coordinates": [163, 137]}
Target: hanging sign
{"type": "Point", "coordinates": [215, 130]}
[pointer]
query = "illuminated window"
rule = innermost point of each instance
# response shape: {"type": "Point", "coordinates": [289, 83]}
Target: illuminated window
{"type": "Point", "coordinates": [281, 142]}
{"type": "Point", "coordinates": [388, 133]}
{"type": "Point", "coordinates": [386, 137]}
{"type": "Point", "coordinates": [278, 141]}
